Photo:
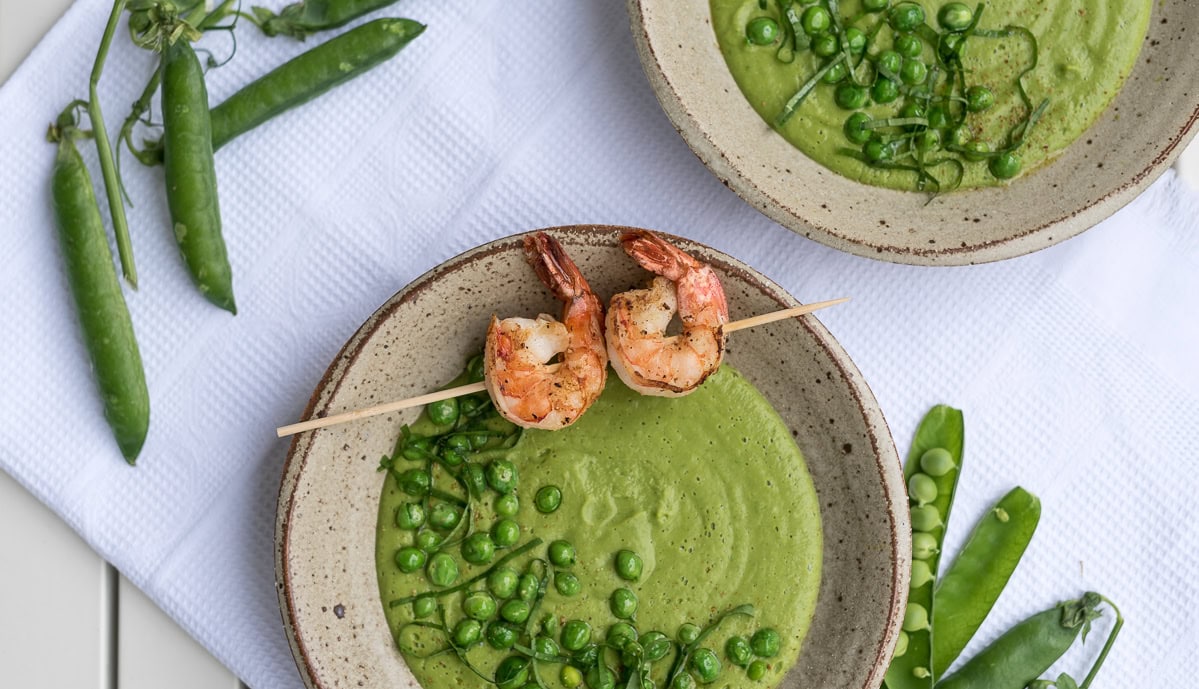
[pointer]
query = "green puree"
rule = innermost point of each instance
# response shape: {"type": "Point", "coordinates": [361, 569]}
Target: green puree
{"type": "Point", "coordinates": [1086, 50]}
{"type": "Point", "coordinates": [709, 489]}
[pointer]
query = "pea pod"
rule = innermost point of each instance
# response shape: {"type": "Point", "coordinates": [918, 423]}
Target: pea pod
{"type": "Point", "coordinates": [191, 176]}
{"type": "Point", "coordinates": [932, 468]}
{"type": "Point", "coordinates": [310, 74]}
{"type": "Point", "coordinates": [1025, 651]}
{"type": "Point", "coordinates": [103, 314]}
{"type": "Point", "coordinates": [972, 584]}
{"type": "Point", "coordinates": [302, 18]}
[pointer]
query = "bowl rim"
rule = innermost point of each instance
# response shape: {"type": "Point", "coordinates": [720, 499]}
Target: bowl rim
{"type": "Point", "coordinates": [887, 461]}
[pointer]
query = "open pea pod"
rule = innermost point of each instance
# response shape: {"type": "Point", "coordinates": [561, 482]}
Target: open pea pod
{"type": "Point", "coordinates": [972, 584]}
{"type": "Point", "coordinates": [932, 469]}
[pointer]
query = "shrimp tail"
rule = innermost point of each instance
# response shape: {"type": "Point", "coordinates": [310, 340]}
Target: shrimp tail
{"type": "Point", "coordinates": [657, 255]}
{"type": "Point", "coordinates": [554, 267]}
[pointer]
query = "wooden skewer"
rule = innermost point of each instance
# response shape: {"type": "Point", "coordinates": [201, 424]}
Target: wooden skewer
{"type": "Point", "coordinates": [471, 388]}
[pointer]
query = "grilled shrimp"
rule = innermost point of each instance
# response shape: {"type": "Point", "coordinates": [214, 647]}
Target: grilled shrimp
{"type": "Point", "coordinates": [541, 372]}
{"type": "Point", "coordinates": [644, 357]}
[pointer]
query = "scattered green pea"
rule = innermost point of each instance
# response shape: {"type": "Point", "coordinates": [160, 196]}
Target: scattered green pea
{"type": "Point", "coordinates": [567, 584]}
{"type": "Point", "coordinates": [474, 370]}
{"type": "Point", "coordinates": [913, 72]}
{"type": "Point", "coordinates": [922, 489]}
{"type": "Point", "coordinates": [737, 650]}
{"type": "Point", "coordinates": [926, 518]}
{"type": "Point", "coordinates": [562, 554]}
{"type": "Point", "coordinates": [853, 40]}
{"type": "Point", "coordinates": [547, 499]}
{"type": "Point", "coordinates": [442, 570]}
{"type": "Point", "coordinates": [632, 654]}
{"type": "Point", "coordinates": [451, 457]}
{"type": "Point", "coordinates": [410, 559]}
{"type": "Point", "coordinates": [836, 73]}
{"type": "Point", "coordinates": [889, 61]}
{"type": "Point", "coordinates": [428, 541]}
{"type": "Point", "coordinates": [410, 515]}
{"type": "Point", "coordinates": [443, 412]}
{"type": "Point", "coordinates": [924, 545]}
{"type": "Point", "coordinates": [683, 680]}
{"type": "Point", "coordinates": [915, 618]}
{"type": "Point", "coordinates": [575, 635]}
{"type": "Point", "coordinates": [545, 646]}
{"type": "Point", "coordinates": [876, 150]}
{"type": "Point", "coordinates": [687, 633]}
{"type": "Point", "coordinates": [912, 108]}
{"type": "Point", "coordinates": [959, 136]}
{"type": "Point", "coordinates": [938, 117]}
{"type": "Point", "coordinates": [850, 96]}
{"type": "Point", "coordinates": [570, 676]}
{"type": "Point", "coordinates": [417, 449]}
{"type": "Point", "coordinates": [620, 634]}
{"type": "Point", "coordinates": [906, 16]}
{"type": "Point", "coordinates": [501, 476]}
{"type": "Point", "coordinates": [765, 643]}
{"type": "Point", "coordinates": [500, 636]}
{"type": "Point", "coordinates": [976, 150]}
{"type": "Point", "coordinates": [507, 505]}
{"type": "Point", "coordinates": [623, 603]}
{"type": "Point", "coordinates": [600, 676]}
{"type": "Point", "coordinates": [901, 644]}
{"type": "Point", "coordinates": [756, 670]}
{"type": "Point", "coordinates": [824, 45]}
{"type": "Point", "coordinates": [921, 574]}
{"type": "Point", "coordinates": [705, 665]}
{"type": "Point", "coordinates": [512, 672]}
{"type": "Point", "coordinates": [875, 5]}
{"type": "Point", "coordinates": [467, 633]}
{"type": "Point", "coordinates": [928, 140]}
{"type": "Point", "coordinates": [762, 31]}
{"type": "Point", "coordinates": [656, 645]}
{"type": "Point", "coordinates": [502, 582]}
{"type": "Point", "coordinates": [479, 605]}
{"type": "Point", "coordinates": [979, 98]}
{"type": "Point", "coordinates": [505, 533]}
{"type": "Point", "coordinates": [586, 656]}
{"type": "Point", "coordinates": [527, 587]}
{"type": "Point", "coordinates": [954, 16]}
{"type": "Point", "coordinates": [515, 611]}
{"type": "Point", "coordinates": [478, 549]}
{"type": "Point", "coordinates": [458, 441]}
{"type": "Point", "coordinates": [628, 565]}
{"type": "Point", "coordinates": [909, 46]}
{"type": "Point", "coordinates": [444, 516]}
{"type": "Point", "coordinates": [815, 20]}
{"type": "Point", "coordinates": [415, 482]}
{"type": "Point", "coordinates": [424, 606]}
{"type": "Point", "coordinates": [884, 91]}
{"type": "Point", "coordinates": [1005, 165]}
{"type": "Point", "coordinates": [855, 127]}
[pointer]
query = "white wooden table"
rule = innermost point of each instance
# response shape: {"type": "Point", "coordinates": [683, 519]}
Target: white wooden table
{"type": "Point", "coordinates": [67, 618]}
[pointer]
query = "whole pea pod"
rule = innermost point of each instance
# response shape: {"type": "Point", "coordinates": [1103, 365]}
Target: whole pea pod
{"type": "Point", "coordinates": [302, 18]}
{"type": "Point", "coordinates": [103, 314]}
{"type": "Point", "coordinates": [310, 74]}
{"type": "Point", "coordinates": [1016, 659]}
{"type": "Point", "coordinates": [191, 176]}
{"type": "Point", "coordinates": [969, 588]}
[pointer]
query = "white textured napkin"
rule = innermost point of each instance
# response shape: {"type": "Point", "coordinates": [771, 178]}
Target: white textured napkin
{"type": "Point", "coordinates": [1076, 366]}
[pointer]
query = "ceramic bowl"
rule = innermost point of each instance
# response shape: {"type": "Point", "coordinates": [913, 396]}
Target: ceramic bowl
{"type": "Point", "coordinates": [1133, 142]}
{"type": "Point", "coordinates": [329, 497]}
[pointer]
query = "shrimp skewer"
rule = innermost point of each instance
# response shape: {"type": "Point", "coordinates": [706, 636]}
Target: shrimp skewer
{"type": "Point", "coordinates": [527, 386]}
{"type": "Point", "coordinates": [644, 357]}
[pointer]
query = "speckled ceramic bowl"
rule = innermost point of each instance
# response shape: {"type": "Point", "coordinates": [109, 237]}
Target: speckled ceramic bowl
{"type": "Point", "coordinates": [329, 498]}
{"type": "Point", "coordinates": [1132, 143]}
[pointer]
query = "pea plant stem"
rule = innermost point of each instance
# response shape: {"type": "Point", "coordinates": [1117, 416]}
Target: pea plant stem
{"type": "Point", "coordinates": [112, 181]}
{"type": "Point", "coordinates": [472, 388]}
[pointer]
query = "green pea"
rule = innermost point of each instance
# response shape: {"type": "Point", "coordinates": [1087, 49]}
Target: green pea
{"type": "Point", "coordinates": [876, 150]}
{"type": "Point", "coordinates": [737, 650]}
{"type": "Point", "coordinates": [906, 16]}
{"type": "Point", "coordinates": [600, 676]}
{"type": "Point", "coordinates": [620, 634]}
{"type": "Point", "coordinates": [976, 150]}
{"type": "Point", "coordinates": [444, 516]}
{"type": "Point", "coordinates": [656, 645]}
{"type": "Point", "coordinates": [705, 665]}
{"type": "Point", "coordinates": [687, 633]}
{"type": "Point", "coordinates": [757, 670]}
{"type": "Point", "coordinates": [567, 584]}
{"type": "Point", "coordinates": [913, 72]}
{"type": "Point", "coordinates": [507, 505]}
{"type": "Point", "coordinates": [424, 606]}
{"type": "Point", "coordinates": [937, 462]}
{"type": "Point", "coordinates": [912, 109]}
{"type": "Point", "coordinates": [835, 73]}
{"type": "Point", "coordinates": [410, 515]}
{"type": "Point", "coordinates": [512, 672]}
{"type": "Point", "coordinates": [979, 98]}
{"type": "Point", "coordinates": [415, 482]}
{"type": "Point", "coordinates": [954, 16]}
{"type": "Point", "coordinates": [467, 633]}
{"type": "Point", "coordinates": [545, 646]}
{"type": "Point", "coordinates": [575, 635]}
{"type": "Point", "coordinates": [889, 61]}
{"type": "Point", "coordinates": [570, 676]}
{"type": "Point", "coordinates": [470, 405]}
{"type": "Point", "coordinates": [502, 582]}
{"type": "Point", "coordinates": [909, 46]}
{"type": "Point", "coordinates": [587, 656]}
{"type": "Point", "coordinates": [854, 40]}
{"type": "Point", "coordinates": [938, 117]}
{"type": "Point", "coordinates": [479, 605]}
{"type": "Point", "coordinates": [922, 489]}
{"type": "Point", "coordinates": [928, 140]}
{"type": "Point", "coordinates": [628, 565]}
{"type": "Point", "coordinates": [428, 541]}
{"type": "Point", "coordinates": [824, 45]}
{"type": "Point", "coordinates": [915, 618]}
{"type": "Point", "coordinates": [442, 570]}
{"type": "Point", "coordinates": [474, 369]}
{"type": "Point", "coordinates": [562, 554]}
{"type": "Point", "coordinates": [458, 441]}
{"type": "Point", "coordinates": [410, 559]}
{"type": "Point", "coordinates": [549, 624]}
{"type": "Point", "coordinates": [515, 611]}
{"type": "Point", "coordinates": [505, 533]}
{"type": "Point", "coordinates": [443, 412]}
{"type": "Point", "coordinates": [960, 136]}
{"type": "Point", "coordinates": [474, 478]}
{"type": "Point", "coordinates": [479, 439]}
{"type": "Point", "coordinates": [526, 587]}
{"type": "Point", "coordinates": [632, 654]}
{"type": "Point", "coordinates": [547, 499]}
{"type": "Point", "coordinates": [500, 636]}
{"type": "Point", "coordinates": [926, 518]}
{"type": "Point", "coordinates": [901, 644]}
{"type": "Point", "coordinates": [815, 20]}
{"type": "Point", "coordinates": [855, 127]}
{"type": "Point", "coordinates": [623, 603]}
{"type": "Point", "coordinates": [451, 457]}
{"type": "Point", "coordinates": [924, 545]}
{"type": "Point", "coordinates": [921, 574]}
{"type": "Point", "coordinates": [501, 476]}
{"type": "Point", "coordinates": [478, 549]}
{"type": "Point", "coordinates": [875, 5]}
{"type": "Point", "coordinates": [1005, 165]}
{"type": "Point", "coordinates": [884, 91]}
{"type": "Point", "coordinates": [762, 31]}
{"type": "Point", "coordinates": [850, 96]}
{"type": "Point", "coordinates": [765, 643]}
{"type": "Point", "coordinates": [683, 680]}
{"type": "Point", "coordinates": [417, 449]}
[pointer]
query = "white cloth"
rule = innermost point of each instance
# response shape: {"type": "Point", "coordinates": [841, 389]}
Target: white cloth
{"type": "Point", "coordinates": [1076, 366]}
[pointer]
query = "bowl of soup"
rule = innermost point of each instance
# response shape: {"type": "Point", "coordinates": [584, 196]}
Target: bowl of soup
{"type": "Point", "coordinates": [929, 133]}
{"type": "Point", "coordinates": [763, 515]}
